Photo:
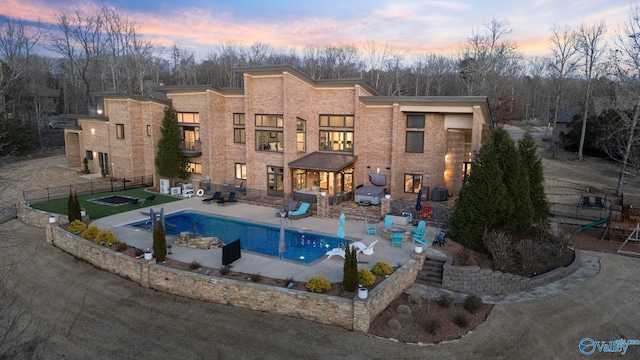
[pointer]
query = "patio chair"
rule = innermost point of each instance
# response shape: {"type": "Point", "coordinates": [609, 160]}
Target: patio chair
{"type": "Point", "coordinates": [396, 239]}
{"type": "Point", "coordinates": [302, 212]}
{"type": "Point", "coordinates": [388, 222]}
{"type": "Point", "coordinates": [215, 197]}
{"type": "Point", "coordinates": [371, 229]}
{"type": "Point", "coordinates": [362, 248]}
{"type": "Point", "coordinates": [335, 251]}
{"type": "Point", "coordinates": [229, 200]}
{"type": "Point", "coordinates": [420, 238]}
{"type": "Point", "coordinates": [419, 228]}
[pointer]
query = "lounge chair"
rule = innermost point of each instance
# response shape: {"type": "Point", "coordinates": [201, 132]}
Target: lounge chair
{"type": "Point", "coordinates": [301, 212]}
{"type": "Point", "coordinates": [396, 239]}
{"type": "Point", "coordinates": [336, 251]}
{"type": "Point", "coordinates": [420, 238]}
{"type": "Point", "coordinates": [420, 228]}
{"type": "Point", "coordinates": [388, 222]}
{"type": "Point", "coordinates": [362, 248]}
{"type": "Point", "coordinates": [229, 200]}
{"type": "Point", "coordinates": [215, 197]}
{"type": "Point", "coordinates": [371, 229]}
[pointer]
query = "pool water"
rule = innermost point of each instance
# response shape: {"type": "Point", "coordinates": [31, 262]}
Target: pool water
{"type": "Point", "coordinates": [301, 246]}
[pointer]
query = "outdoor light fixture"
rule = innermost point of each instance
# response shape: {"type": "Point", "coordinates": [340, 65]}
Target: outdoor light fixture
{"type": "Point", "coordinates": [99, 111]}
{"type": "Point", "coordinates": [93, 131]}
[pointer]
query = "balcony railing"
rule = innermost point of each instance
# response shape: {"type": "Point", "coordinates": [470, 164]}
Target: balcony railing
{"type": "Point", "coordinates": [191, 148]}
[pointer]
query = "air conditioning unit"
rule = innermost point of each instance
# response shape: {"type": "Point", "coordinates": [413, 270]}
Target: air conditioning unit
{"type": "Point", "coordinates": [164, 186]}
{"type": "Point", "coordinates": [175, 191]}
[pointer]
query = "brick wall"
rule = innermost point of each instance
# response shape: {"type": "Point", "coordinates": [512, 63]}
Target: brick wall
{"type": "Point", "coordinates": [474, 280]}
{"type": "Point", "coordinates": [353, 314]}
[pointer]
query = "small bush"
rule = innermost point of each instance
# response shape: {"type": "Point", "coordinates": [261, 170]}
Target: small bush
{"type": "Point", "coordinates": [224, 270]}
{"type": "Point", "coordinates": [256, 278]}
{"type": "Point", "coordinates": [500, 247]}
{"type": "Point", "coordinates": [122, 246]}
{"type": "Point", "coordinates": [106, 238]}
{"type": "Point", "coordinates": [195, 265]}
{"type": "Point", "coordinates": [91, 232]}
{"type": "Point", "coordinates": [366, 278]}
{"type": "Point", "coordinates": [382, 269]}
{"type": "Point", "coordinates": [460, 320]}
{"type": "Point", "coordinates": [465, 257]}
{"type": "Point", "coordinates": [139, 252]}
{"type": "Point", "coordinates": [473, 303]}
{"type": "Point", "coordinates": [77, 226]}
{"type": "Point", "coordinates": [445, 300]}
{"type": "Point", "coordinates": [528, 250]}
{"type": "Point", "coordinates": [432, 325]}
{"type": "Point", "coordinates": [318, 284]}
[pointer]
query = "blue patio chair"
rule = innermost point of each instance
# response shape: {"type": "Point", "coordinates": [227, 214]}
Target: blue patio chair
{"type": "Point", "coordinates": [371, 229]}
{"type": "Point", "coordinates": [420, 228]}
{"type": "Point", "coordinates": [388, 222]}
{"type": "Point", "coordinates": [396, 239]}
{"type": "Point", "coordinates": [420, 238]}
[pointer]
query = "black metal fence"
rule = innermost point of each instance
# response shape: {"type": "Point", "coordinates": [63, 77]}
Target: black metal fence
{"type": "Point", "coordinates": [93, 187]}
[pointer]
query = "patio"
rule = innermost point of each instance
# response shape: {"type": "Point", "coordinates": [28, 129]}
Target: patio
{"type": "Point", "coordinates": [252, 263]}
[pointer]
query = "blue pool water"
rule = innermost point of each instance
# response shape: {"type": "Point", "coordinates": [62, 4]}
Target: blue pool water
{"type": "Point", "coordinates": [301, 246]}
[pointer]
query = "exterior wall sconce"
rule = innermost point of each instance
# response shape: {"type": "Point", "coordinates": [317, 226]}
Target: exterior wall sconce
{"type": "Point", "coordinates": [93, 131]}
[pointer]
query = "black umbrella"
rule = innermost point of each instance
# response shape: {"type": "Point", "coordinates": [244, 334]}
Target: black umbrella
{"type": "Point", "coordinates": [418, 206]}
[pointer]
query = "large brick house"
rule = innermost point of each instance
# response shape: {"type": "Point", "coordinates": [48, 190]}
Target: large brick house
{"type": "Point", "coordinates": [284, 132]}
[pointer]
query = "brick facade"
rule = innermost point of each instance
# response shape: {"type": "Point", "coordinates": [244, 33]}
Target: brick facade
{"type": "Point", "coordinates": [455, 125]}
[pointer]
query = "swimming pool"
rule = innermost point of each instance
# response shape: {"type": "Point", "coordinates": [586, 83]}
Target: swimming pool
{"type": "Point", "coordinates": [301, 246]}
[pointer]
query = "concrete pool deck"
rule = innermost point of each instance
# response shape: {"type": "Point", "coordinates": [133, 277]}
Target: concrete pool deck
{"type": "Point", "coordinates": [253, 263]}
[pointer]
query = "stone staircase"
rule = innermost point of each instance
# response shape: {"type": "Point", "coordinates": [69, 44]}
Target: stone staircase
{"type": "Point", "coordinates": [431, 273]}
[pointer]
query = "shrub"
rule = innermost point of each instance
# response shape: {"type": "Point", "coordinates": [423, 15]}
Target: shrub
{"type": "Point", "coordinates": [77, 226]}
{"type": "Point", "coordinates": [256, 278]}
{"type": "Point", "coordinates": [195, 265]}
{"type": "Point", "coordinates": [224, 270]}
{"type": "Point", "coordinates": [528, 251]}
{"type": "Point", "coordinates": [501, 248]}
{"type": "Point", "coordinates": [460, 320]}
{"type": "Point", "coordinates": [562, 241]}
{"type": "Point", "coordinates": [432, 325]}
{"type": "Point", "coordinates": [91, 233]}
{"type": "Point", "coordinates": [350, 269]}
{"type": "Point", "coordinates": [318, 284]}
{"type": "Point", "coordinates": [105, 238]}
{"type": "Point", "coordinates": [366, 278]}
{"type": "Point", "coordinates": [473, 303]}
{"type": "Point", "coordinates": [122, 246]}
{"type": "Point", "coordinates": [382, 269]}
{"type": "Point", "coordinates": [445, 300]}
{"type": "Point", "coordinates": [86, 165]}
{"type": "Point", "coordinates": [159, 242]}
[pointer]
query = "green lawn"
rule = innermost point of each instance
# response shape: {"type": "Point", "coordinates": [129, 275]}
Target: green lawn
{"type": "Point", "coordinates": [96, 211]}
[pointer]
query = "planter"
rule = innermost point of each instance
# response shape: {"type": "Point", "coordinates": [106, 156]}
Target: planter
{"type": "Point", "coordinates": [148, 256]}
{"type": "Point", "coordinates": [387, 196]}
{"type": "Point", "coordinates": [83, 213]}
{"type": "Point", "coordinates": [52, 219]}
{"type": "Point", "coordinates": [418, 249]}
{"type": "Point", "coordinates": [363, 293]}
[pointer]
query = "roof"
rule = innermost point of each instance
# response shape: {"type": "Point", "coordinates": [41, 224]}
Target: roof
{"type": "Point", "coordinates": [324, 161]}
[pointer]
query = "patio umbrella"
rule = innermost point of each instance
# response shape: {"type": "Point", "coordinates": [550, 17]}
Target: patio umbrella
{"type": "Point", "coordinates": [418, 206]}
{"type": "Point", "coordinates": [341, 227]}
{"type": "Point", "coordinates": [281, 244]}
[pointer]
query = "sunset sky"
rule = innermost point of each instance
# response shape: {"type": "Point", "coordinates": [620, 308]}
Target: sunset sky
{"type": "Point", "coordinates": [403, 25]}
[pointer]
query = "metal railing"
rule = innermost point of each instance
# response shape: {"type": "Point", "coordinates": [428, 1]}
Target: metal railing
{"type": "Point", "coordinates": [93, 187]}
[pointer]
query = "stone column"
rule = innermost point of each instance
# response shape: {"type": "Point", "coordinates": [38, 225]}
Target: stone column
{"type": "Point", "coordinates": [323, 206]}
{"type": "Point", "coordinates": [385, 207]}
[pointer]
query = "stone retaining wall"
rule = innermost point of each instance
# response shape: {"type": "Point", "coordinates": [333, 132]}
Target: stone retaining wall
{"type": "Point", "coordinates": [353, 314]}
{"type": "Point", "coordinates": [474, 280]}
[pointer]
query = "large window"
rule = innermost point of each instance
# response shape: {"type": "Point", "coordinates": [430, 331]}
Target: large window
{"type": "Point", "coordinates": [269, 140]}
{"type": "Point", "coordinates": [88, 154]}
{"type": "Point", "coordinates": [194, 168]}
{"type": "Point", "coordinates": [191, 137]}
{"type": "Point", "coordinates": [412, 183]}
{"type": "Point", "coordinates": [415, 142]}
{"type": "Point", "coordinates": [188, 117]}
{"type": "Point", "coordinates": [336, 140]}
{"type": "Point", "coordinates": [241, 171]}
{"type": "Point", "coordinates": [269, 120]}
{"type": "Point", "coordinates": [336, 120]}
{"type": "Point", "coordinates": [301, 179]}
{"type": "Point", "coordinates": [239, 132]}
{"type": "Point", "coordinates": [120, 131]}
{"type": "Point", "coordinates": [301, 135]}
{"type": "Point", "coordinates": [415, 121]}
{"type": "Point", "coordinates": [275, 180]}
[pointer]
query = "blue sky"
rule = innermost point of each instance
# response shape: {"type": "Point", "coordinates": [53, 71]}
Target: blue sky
{"type": "Point", "coordinates": [403, 25]}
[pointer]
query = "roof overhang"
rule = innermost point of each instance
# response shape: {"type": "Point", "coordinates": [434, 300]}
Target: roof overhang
{"type": "Point", "coordinates": [324, 161]}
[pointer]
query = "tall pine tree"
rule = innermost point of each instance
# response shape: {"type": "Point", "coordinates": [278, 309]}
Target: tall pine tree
{"type": "Point", "coordinates": [170, 162]}
{"type": "Point", "coordinates": [350, 269]}
{"type": "Point", "coordinates": [159, 241]}
{"type": "Point", "coordinates": [533, 165]}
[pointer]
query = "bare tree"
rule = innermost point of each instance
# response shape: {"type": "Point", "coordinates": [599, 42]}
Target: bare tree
{"type": "Point", "coordinates": [562, 63]}
{"type": "Point", "coordinates": [589, 46]}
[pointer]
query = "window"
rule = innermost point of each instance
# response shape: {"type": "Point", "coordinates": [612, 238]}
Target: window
{"type": "Point", "coordinates": [89, 155]}
{"type": "Point", "coordinates": [415, 142]}
{"type": "Point", "coordinates": [269, 140]}
{"type": "Point", "coordinates": [239, 133]}
{"type": "Point", "coordinates": [103, 161]}
{"type": "Point", "coordinates": [241, 171]}
{"type": "Point", "coordinates": [275, 180]}
{"type": "Point", "coordinates": [120, 131]}
{"type": "Point", "coordinates": [301, 179]}
{"type": "Point", "coordinates": [269, 120]}
{"type": "Point", "coordinates": [194, 168]}
{"type": "Point", "coordinates": [336, 140]}
{"type": "Point", "coordinates": [301, 135]}
{"type": "Point", "coordinates": [415, 121]}
{"type": "Point", "coordinates": [148, 130]}
{"type": "Point", "coordinates": [336, 120]}
{"type": "Point", "coordinates": [412, 183]}
{"type": "Point", "coordinates": [190, 137]}
{"type": "Point", "coordinates": [188, 117]}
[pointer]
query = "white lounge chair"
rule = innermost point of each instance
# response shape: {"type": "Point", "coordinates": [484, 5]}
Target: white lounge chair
{"type": "Point", "coordinates": [362, 248]}
{"type": "Point", "coordinates": [335, 251]}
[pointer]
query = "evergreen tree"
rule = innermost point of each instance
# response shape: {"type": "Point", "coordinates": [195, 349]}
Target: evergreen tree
{"type": "Point", "coordinates": [350, 269]}
{"type": "Point", "coordinates": [170, 162]}
{"type": "Point", "coordinates": [70, 212]}
{"type": "Point", "coordinates": [159, 242]}
{"type": "Point", "coordinates": [482, 201]}
{"type": "Point", "coordinates": [76, 206]}
{"type": "Point", "coordinates": [533, 166]}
